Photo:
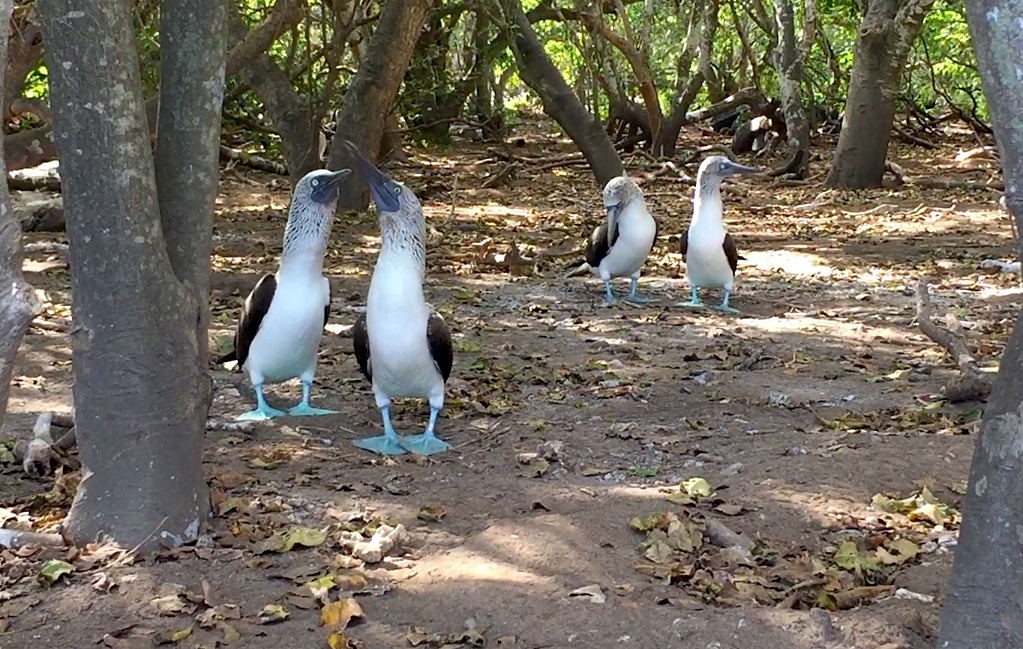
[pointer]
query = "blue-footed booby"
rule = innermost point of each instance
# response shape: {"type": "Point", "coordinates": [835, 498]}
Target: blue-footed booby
{"type": "Point", "coordinates": [402, 346]}
{"type": "Point", "coordinates": [283, 318]}
{"type": "Point", "coordinates": [619, 247]}
{"type": "Point", "coordinates": [708, 250]}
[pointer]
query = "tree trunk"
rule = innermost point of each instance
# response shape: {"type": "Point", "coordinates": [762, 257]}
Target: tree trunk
{"type": "Point", "coordinates": [557, 97]}
{"type": "Point", "coordinates": [886, 34]}
{"type": "Point", "coordinates": [788, 63]}
{"type": "Point", "coordinates": [18, 301]}
{"type": "Point", "coordinates": [368, 100]}
{"type": "Point", "coordinates": [138, 344]}
{"type": "Point", "coordinates": [984, 601]}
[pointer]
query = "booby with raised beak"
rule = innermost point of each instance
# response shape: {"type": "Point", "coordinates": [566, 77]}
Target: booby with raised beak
{"type": "Point", "coordinates": [283, 318]}
{"type": "Point", "coordinates": [402, 346]}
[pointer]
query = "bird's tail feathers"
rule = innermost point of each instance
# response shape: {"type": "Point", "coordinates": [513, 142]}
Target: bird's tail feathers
{"type": "Point", "coordinates": [580, 268]}
{"type": "Point", "coordinates": [229, 356]}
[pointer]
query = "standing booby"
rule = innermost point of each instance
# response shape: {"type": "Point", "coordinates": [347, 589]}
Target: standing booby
{"type": "Point", "coordinates": [401, 345]}
{"type": "Point", "coordinates": [283, 318]}
{"type": "Point", "coordinates": [619, 247]}
{"type": "Point", "coordinates": [708, 250]}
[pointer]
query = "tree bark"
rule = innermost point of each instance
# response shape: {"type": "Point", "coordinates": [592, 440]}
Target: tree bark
{"type": "Point", "coordinates": [984, 602]}
{"type": "Point", "coordinates": [140, 378]}
{"type": "Point", "coordinates": [788, 63]}
{"type": "Point", "coordinates": [557, 97]}
{"type": "Point", "coordinates": [885, 36]}
{"type": "Point", "coordinates": [18, 301]}
{"type": "Point", "coordinates": [368, 100]}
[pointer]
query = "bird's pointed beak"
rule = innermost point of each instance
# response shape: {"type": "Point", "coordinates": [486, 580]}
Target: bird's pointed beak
{"type": "Point", "coordinates": [378, 183]}
{"type": "Point", "coordinates": [327, 191]}
{"type": "Point", "coordinates": [730, 168]}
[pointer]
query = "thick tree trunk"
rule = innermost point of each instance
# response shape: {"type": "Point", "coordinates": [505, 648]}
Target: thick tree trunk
{"type": "Point", "coordinates": [886, 34]}
{"type": "Point", "coordinates": [368, 100]}
{"type": "Point", "coordinates": [18, 301]}
{"type": "Point", "coordinates": [140, 378]}
{"type": "Point", "coordinates": [788, 63]}
{"type": "Point", "coordinates": [557, 97]}
{"type": "Point", "coordinates": [984, 602]}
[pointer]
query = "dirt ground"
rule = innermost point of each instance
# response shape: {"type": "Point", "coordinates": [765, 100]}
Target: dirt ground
{"type": "Point", "coordinates": [797, 413]}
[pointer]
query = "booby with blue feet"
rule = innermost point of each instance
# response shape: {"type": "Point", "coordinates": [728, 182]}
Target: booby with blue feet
{"type": "Point", "coordinates": [283, 318]}
{"type": "Point", "coordinates": [708, 250]}
{"type": "Point", "coordinates": [402, 346]}
{"type": "Point", "coordinates": [620, 246]}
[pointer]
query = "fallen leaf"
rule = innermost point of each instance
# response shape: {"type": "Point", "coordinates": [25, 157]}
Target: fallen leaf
{"type": "Point", "coordinates": [339, 614]}
{"type": "Point", "coordinates": [696, 488]}
{"type": "Point", "coordinates": [53, 570]}
{"type": "Point", "coordinates": [729, 510]}
{"type": "Point", "coordinates": [172, 636]}
{"type": "Point", "coordinates": [231, 634]}
{"type": "Point", "coordinates": [591, 593]}
{"type": "Point", "coordinates": [338, 640]}
{"type": "Point", "coordinates": [273, 613]}
{"type": "Point", "coordinates": [431, 513]}
{"type": "Point", "coordinates": [304, 536]}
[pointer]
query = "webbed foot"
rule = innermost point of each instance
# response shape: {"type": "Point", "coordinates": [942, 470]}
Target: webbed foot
{"type": "Point", "coordinates": [382, 445]}
{"type": "Point", "coordinates": [424, 444]}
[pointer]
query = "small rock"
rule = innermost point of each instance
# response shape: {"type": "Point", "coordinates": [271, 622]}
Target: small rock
{"type": "Point", "coordinates": [733, 469]}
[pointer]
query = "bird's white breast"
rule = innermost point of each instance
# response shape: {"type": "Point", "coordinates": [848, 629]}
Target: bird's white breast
{"type": "Point", "coordinates": [289, 336]}
{"type": "Point", "coordinates": [636, 232]}
{"type": "Point", "coordinates": [396, 319]}
{"type": "Point", "coordinates": [706, 263]}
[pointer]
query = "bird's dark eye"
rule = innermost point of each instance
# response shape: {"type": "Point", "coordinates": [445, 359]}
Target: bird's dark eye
{"type": "Point", "coordinates": [316, 183]}
{"type": "Point", "coordinates": [397, 191]}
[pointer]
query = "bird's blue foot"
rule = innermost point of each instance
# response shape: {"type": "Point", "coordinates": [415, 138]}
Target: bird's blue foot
{"type": "Point", "coordinates": [725, 308]}
{"type": "Point", "coordinates": [303, 409]}
{"type": "Point", "coordinates": [386, 444]}
{"type": "Point", "coordinates": [381, 445]}
{"type": "Point", "coordinates": [694, 301]}
{"type": "Point", "coordinates": [609, 295]}
{"type": "Point", "coordinates": [636, 299]}
{"type": "Point", "coordinates": [427, 443]}
{"type": "Point", "coordinates": [263, 411]}
{"type": "Point", "coordinates": [260, 414]}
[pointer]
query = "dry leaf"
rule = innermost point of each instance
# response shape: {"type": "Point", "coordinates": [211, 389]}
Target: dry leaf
{"type": "Point", "coordinates": [591, 593]}
{"type": "Point", "coordinates": [339, 614]}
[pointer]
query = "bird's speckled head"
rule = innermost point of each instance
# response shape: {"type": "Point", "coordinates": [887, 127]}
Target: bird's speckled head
{"type": "Point", "coordinates": [621, 190]}
{"type": "Point", "coordinates": [716, 167]}
{"type": "Point", "coordinates": [320, 186]}
{"type": "Point", "coordinates": [312, 210]}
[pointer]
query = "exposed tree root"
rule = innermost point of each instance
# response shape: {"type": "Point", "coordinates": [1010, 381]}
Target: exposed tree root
{"type": "Point", "coordinates": [971, 385]}
{"type": "Point", "coordinates": [254, 161]}
{"type": "Point", "coordinates": [939, 183]}
{"type": "Point", "coordinates": [41, 454]}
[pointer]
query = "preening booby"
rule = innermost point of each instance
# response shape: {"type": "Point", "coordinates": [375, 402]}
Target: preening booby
{"type": "Point", "coordinates": [284, 315]}
{"type": "Point", "coordinates": [619, 247]}
{"type": "Point", "coordinates": [401, 345]}
{"type": "Point", "coordinates": [708, 250]}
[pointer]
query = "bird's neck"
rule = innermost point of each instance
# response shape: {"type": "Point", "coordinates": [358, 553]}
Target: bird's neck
{"type": "Point", "coordinates": [403, 244]}
{"type": "Point", "coordinates": [302, 262]}
{"type": "Point", "coordinates": [707, 205]}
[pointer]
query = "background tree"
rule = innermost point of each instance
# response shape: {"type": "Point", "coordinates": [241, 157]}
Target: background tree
{"type": "Point", "coordinates": [982, 605]}
{"type": "Point", "coordinates": [886, 34]}
{"type": "Point", "coordinates": [140, 234]}
{"type": "Point", "coordinates": [18, 302]}
{"type": "Point", "coordinates": [374, 89]}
